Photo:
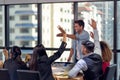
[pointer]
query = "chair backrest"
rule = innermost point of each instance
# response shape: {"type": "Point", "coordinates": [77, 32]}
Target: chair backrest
{"type": "Point", "coordinates": [28, 75]}
{"type": "Point", "coordinates": [4, 75]}
{"type": "Point", "coordinates": [109, 72]}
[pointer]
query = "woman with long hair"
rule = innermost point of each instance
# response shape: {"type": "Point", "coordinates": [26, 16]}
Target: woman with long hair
{"type": "Point", "coordinates": [14, 62]}
{"type": "Point", "coordinates": [42, 63]}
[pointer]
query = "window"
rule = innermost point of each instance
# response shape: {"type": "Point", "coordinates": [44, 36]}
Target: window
{"type": "Point", "coordinates": [11, 6]}
{"type": "Point", "coordinates": [36, 29]}
{"type": "Point", "coordinates": [0, 8]}
{"type": "Point", "coordinates": [24, 5]}
{"type": "Point", "coordinates": [24, 43]}
{"type": "Point", "coordinates": [1, 30]}
{"type": "Point", "coordinates": [24, 24]}
{"type": "Point", "coordinates": [11, 17]}
{"type": "Point", "coordinates": [24, 30]}
{"type": "Point", "coordinates": [1, 19]}
{"type": "Point", "coordinates": [12, 43]}
{"type": "Point", "coordinates": [12, 30]}
{"type": "Point", "coordinates": [100, 12]}
{"type": "Point", "coordinates": [1, 42]}
{"type": "Point", "coordinates": [24, 17]}
{"type": "Point", "coordinates": [36, 17]}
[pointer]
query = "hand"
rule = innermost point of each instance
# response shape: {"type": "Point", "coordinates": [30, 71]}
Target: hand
{"type": "Point", "coordinates": [60, 34]}
{"type": "Point", "coordinates": [5, 52]}
{"type": "Point", "coordinates": [92, 35]}
{"type": "Point", "coordinates": [68, 60]}
{"type": "Point", "coordinates": [61, 29]}
{"type": "Point", "coordinates": [93, 24]}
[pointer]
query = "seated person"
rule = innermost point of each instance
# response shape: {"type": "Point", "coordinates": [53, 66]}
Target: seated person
{"type": "Point", "coordinates": [101, 47]}
{"type": "Point", "coordinates": [15, 62]}
{"type": "Point", "coordinates": [90, 64]}
{"type": "Point", "coordinates": [42, 63]}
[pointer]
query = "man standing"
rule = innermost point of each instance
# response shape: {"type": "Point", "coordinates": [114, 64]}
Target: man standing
{"type": "Point", "coordinates": [90, 64]}
{"type": "Point", "coordinates": [79, 36]}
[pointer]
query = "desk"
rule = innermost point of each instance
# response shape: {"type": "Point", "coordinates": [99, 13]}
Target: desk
{"type": "Point", "coordinates": [61, 77]}
{"type": "Point", "coordinates": [60, 72]}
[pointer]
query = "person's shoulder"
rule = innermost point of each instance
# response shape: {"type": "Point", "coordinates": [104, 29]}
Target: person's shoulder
{"type": "Point", "coordinates": [95, 54]}
{"type": "Point", "coordinates": [85, 31]}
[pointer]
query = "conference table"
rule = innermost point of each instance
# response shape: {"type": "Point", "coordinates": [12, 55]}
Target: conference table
{"type": "Point", "coordinates": [65, 77]}
{"type": "Point", "coordinates": [60, 72]}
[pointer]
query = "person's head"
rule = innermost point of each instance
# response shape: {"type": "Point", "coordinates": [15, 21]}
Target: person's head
{"type": "Point", "coordinates": [87, 47]}
{"type": "Point", "coordinates": [15, 52]}
{"type": "Point", "coordinates": [38, 52]}
{"type": "Point", "coordinates": [106, 51]}
{"type": "Point", "coordinates": [78, 25]}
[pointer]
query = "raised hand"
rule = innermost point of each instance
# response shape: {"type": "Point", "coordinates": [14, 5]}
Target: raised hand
{"type": "Point", "coordinates": [92, 35]}
{"type": "Point", "coordinates": [60, 34]}
{"type": "Point", "coordinates": [63, 33]}
{"type": "Point", "coordinates": [61, 29]}
{"type": "Point", "coordinates": [93, 24]}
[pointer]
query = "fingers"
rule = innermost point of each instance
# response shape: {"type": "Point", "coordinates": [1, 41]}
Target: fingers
{"type": "Point", "coordinates": [92, 35]}
{"type": "Point", "coordinates": [60, 34]}
{"type": "Point", "coordinates": [93, 24]}
{"type": "Point", "coordinates": [61, 29]}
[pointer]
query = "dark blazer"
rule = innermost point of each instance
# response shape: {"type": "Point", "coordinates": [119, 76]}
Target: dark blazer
{"type": "Point", "coordinates": [44, 63]}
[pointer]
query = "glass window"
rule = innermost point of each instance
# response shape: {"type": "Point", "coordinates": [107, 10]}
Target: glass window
{"type": "Point", "coordinates": [1, 31]}
{"type": "Point", "coordinates": [12, 30]}
{"type": "Point", "coordinates": [118, 25]}
{"type": "Point", "coordinates": [24, 5]}
{"type": "Point", "coordinates": [2, 28]}
{"type": "Point", "coordinates": [12, 18]}
{"type": "Point", "coordinates": [24, 43]}
{"type": "Point", "coordinates": [24, 17]}
{"type": "Point", "coordinates": [118, 66]}
{"type": "Point", "coordinates": [1, 20]}
{"type": "Point", "coordinates": [102, 12]}
{"type": "Point", "coordinates": [23, 26]}
{"type": "Point", "coordinates": [11, 6]}
{"type": "Point", "coordinates": [50, 21]}
{"type": "Point", "coordinates": [24, 30]}
{"type": "Point", "coordinates": [0, 8]}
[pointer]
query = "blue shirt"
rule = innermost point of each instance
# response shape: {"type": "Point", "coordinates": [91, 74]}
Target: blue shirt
{"type": "Point", "coordinates": [76, 44]}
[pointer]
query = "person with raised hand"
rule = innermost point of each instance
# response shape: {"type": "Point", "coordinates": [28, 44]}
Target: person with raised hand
{"type": "Point", "coordinates": [42, 63]}
{"type": "Point", "coordinates": [79, 36]}
{"type": "Point", "coordinates": [101, 47]}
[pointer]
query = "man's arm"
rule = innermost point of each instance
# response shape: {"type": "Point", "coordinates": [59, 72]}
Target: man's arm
{"type": "Point", "coordinates": [80, 65]}
{"type": "Point", "coordinates": [70, 55]}
{"type": "Point", "coordinates": [72, 36]}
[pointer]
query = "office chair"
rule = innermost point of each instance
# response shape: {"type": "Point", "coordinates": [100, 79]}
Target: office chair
{"type": "Point", "coordinates": [28, 75]}
{"type": "Point", "coordinates": [109, 72]}
{"type": "Point", "coordinates": [4, 75]}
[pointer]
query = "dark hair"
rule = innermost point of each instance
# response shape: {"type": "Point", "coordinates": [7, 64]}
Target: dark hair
{"type": "Point", "coordinates": [89, 45]}
{"type": "Point", "coordinates": [15, 51]}
{"type": "Point", "coordinates": [80, 22]}
{"type": "Point", "coordinates": [38, 52]}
